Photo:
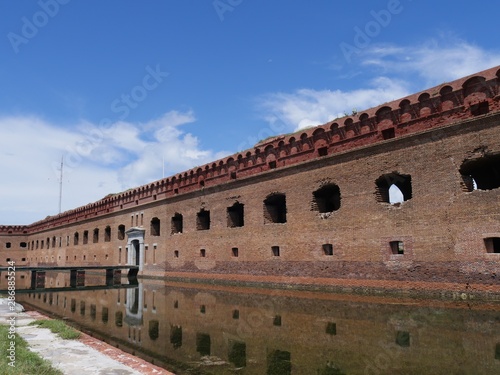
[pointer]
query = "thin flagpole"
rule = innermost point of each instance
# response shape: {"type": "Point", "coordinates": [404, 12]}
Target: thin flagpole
{"type": "Point", "coordinates": [61, 184]}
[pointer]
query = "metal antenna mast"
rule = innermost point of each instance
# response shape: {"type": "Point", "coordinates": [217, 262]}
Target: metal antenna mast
{"type": "Point", "coordinates": [61, 183]}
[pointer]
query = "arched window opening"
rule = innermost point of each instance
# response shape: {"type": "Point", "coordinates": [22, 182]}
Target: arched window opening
{"type": "Point", "coordinates": [75, 238]}
{"type": "Point", "coordinates": [275, 208]}
{"type": "Point", "coordinates": [177, 223]}
{"type": "Point", "coordinates": [235, 215]}
{"type": "Point", "coordinates": [203, 220]}
{"type": "Point", "coordinates": [95, 237]}
{"type": "Point", "coordinates": [121, 232]}
{"type": "Point", "coordinates": [155, 226]}
{"type": "Point", "coordinates": [393, 188]}
{"type": "Point", "coordinates": [85, 237]}
{"type": "Point", "coordinates": [482, 173]}
{"type": "Point", "coordinates": [475, 85]}
{"type": "Point", "coordinates": [384, 113]}
{"type": "Point", "coordinates": [107, 234]}
{"type": "Point", "coordinates": [326, 199]}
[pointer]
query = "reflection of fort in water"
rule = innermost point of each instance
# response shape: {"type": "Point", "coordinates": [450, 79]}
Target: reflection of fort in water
{"type": "Point", "coordinates": [261, 331]}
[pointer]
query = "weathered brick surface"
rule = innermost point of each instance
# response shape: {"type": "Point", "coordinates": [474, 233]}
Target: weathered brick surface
{"type": "Point", "coordinates": [442, 226]}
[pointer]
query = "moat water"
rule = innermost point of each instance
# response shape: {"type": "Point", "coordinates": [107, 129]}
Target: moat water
{"type": "Point", "coordinates": [209, 329]}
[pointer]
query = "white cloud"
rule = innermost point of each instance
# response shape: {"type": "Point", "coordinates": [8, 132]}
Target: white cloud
{"type": "Point", "coordinates": [397, 70]}
{"type": "Point", "coordinates": [97, 161]}
{"type": "Point", "coordinates": [435, 61]}
{"type": "Point", "coordinates": [31, 151]}
{"type": "Point", "coordinates": [308, 107]}
{"type": "Point", "coordinates": [180, 150]}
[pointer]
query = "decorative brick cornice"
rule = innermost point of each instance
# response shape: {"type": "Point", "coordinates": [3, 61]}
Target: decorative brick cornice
{"type": "Point", "coordinates": [13, 229]}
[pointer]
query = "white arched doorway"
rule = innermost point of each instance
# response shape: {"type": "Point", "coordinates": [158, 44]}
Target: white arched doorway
{"type": "Point", "coordinates": [135, 247]}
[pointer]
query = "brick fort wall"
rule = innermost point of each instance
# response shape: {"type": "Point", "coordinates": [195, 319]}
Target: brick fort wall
{"type": "Point", "coordinates": [316, 204]}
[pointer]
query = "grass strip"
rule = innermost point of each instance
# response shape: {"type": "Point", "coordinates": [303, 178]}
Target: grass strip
{"type": "Point", "coordinates": [59, 327]}
{"type": "Point", "coordinates": [26, 362]}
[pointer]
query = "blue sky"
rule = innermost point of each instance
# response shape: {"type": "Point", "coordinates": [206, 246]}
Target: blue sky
{"type": "Point", "coordinates": [115, 87]}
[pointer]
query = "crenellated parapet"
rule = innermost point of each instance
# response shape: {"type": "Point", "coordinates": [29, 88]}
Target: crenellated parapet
{"type": "Point", "coordinates": [13, 229]}
{"type": "Point", "coordinates": [465, 98]}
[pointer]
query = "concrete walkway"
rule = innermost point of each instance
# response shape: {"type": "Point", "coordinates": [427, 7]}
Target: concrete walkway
{"type": "Point", "coordinates": [82, 356]}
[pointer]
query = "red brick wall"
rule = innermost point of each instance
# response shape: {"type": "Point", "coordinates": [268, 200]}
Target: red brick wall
{"type": "Point", "coordinates": [442, 226]}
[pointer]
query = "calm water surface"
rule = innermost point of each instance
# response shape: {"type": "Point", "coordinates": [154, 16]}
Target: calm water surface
{"type": "Point", "coordinates": [207, 329]}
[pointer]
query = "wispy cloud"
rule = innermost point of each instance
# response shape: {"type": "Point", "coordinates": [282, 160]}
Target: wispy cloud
{"type": "Point", "coordinates": [396, 70]}
{"type": "Point", "coordinates": [434, 61]}
{"type": "Point", "coordinates": [98, 161]}
{"type": "Point", "coordinates": [308, 107]}
{"type": "Point", "coordinates": [179, 150]}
